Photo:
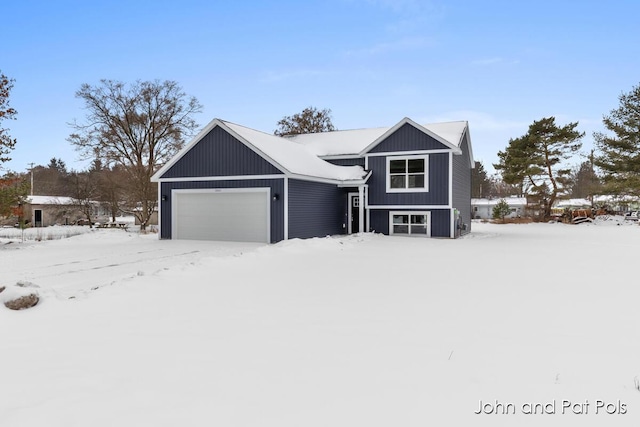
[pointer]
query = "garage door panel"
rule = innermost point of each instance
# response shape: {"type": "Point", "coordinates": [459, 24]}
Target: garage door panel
{"type": "Point", "coordinates": [227, 216]}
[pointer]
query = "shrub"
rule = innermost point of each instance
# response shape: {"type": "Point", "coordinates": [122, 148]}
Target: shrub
{"type": "Point", "coordinates": [501, 210]}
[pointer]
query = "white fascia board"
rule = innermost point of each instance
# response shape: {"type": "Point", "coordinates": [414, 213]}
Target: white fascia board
{"type": "Point", "coordinates": [159, 211]}
{"type": "Point", "coordinates": [222, 178]}
{"type": "Point", "coordinates": [452, 229]}
{"type": "Point", "coordinates": [450, 179]}
{"type": "Point", "coordinates": [410, 153]}
{"type": "Point", "coordinates": [414, 124]}
{"type": "Point", "coordinates": [361, 182]}
{"type": "Point", "coordinates": [341, 156]}
{"type": "Point", "coordinates": [286, 209]}
{"type": "Point", "coordinates": [469, 147]}
{"type": "Point", "coordinates": [339, 183]}
{"type": "Point", "coordinates": [408, 207]}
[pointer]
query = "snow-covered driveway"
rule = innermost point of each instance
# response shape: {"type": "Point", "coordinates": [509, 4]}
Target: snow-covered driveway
{"type": "Point", "coordinates": [107, 256]}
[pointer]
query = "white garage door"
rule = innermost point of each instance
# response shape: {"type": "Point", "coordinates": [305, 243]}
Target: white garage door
{"type": "Point", "coordinates": [239, 215]}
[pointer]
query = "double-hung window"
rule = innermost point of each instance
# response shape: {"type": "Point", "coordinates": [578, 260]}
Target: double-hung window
{"type": "Point", "coordinates": [407, 174]}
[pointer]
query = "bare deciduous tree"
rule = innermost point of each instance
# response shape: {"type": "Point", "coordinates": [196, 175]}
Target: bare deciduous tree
{"type": "Point", "coordinates": [310, 120]}
{"type": "Point", "coordinates": [139, 127]}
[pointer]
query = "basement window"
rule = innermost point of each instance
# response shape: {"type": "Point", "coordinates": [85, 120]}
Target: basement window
{"type": "Point", "coordinates": [409, 223]}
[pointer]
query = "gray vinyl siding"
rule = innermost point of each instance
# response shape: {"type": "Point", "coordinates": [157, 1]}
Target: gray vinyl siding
{"type": "Point", "coordinates": [356, 161]}
{"type": "Point", "coordinates": [440, 221]}
{"type": "Point", "coordinates": [438, 193]}
{"type": "Point", "coordinates": [408, 138]}
{"type": "Point", "coordinates": [462, 184]}
{"type": "Point", "coordinates": [219, 153]}
{"type": "Point", "coordinates": [277, 206]}
{"type": "Point", "coordinates": [315, 209]}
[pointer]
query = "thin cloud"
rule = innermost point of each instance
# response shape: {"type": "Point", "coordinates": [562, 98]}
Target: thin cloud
{"type": "Point", "coordinates": [273, 76]}
{"type": "Point", "coordinates": [405, 44]}
{"type": "Point", "coordinates": [493, 61]}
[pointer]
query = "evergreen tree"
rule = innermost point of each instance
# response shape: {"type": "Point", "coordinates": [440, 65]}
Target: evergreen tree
{"type": "Point", "coordinates": [480, 182]}
{"type": "Point", "coordinates": [6, 112]}
{"type": "Point", "coordinates": [501, 210]}
{"type": "Point", "coordinates": [619, 157]}
{"type": "Point", "coordinates": [13, 193]}
{"type": "Point", "coordinates": [535, 160]}
{"type": "Point", "coordinates": [584, 181]}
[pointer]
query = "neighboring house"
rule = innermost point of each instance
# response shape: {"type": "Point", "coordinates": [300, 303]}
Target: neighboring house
{"type": "Point", "coordinates": [235, 183]}
{"type": "Point", "coordinates": [573, 204]}
{"type": "Point", "coordinates": [483, 208]}
{"type": "Point", "coordinates": [43, 211]}
{"type": "Point", "coordinates": [153, 219]}
{"type": "Point", "coordinates": [619, 204]}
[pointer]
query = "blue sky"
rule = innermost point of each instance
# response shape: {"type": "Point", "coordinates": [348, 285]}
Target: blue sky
{"type": "Point", "coordinates": [498, 64]}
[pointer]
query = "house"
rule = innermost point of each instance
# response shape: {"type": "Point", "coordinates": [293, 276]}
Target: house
{"type": "Point", "coordinates": [239, 184]}
{"type": "Point", "coordinates": [483, 208]}
{"type": "Point", "coordinates": [43, 211]}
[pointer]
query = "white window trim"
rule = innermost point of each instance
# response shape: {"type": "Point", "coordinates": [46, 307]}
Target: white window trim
{"type": "Point", "coordinates": [427, 213]}
{"type": "Point", "coordinates": [408, 190]}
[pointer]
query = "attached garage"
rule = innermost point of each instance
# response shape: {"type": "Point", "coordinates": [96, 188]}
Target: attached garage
{"type": "Point", "coordinates": [239, 214]}
{"type": "Point", "coordinates": [232, 183]}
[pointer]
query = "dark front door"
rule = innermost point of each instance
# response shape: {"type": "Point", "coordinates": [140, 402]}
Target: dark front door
{"type": "Point", "coordinates": [37, 217]}
{"type": "Point", "coordinates": [354, 212]}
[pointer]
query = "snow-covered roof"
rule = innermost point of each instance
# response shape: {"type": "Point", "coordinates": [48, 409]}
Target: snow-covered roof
{"type": "Point", "coordinates": [51, 200]}
{"type": "Point", "coordinates": [573, 203]}
{"type": "Point", "coordinates": [512, 201]}
{"type": "Point", "coordinates": [283, 153]}
{"type": "Point", "coordinates": [292, 157]}
{"type": "Point", "coordinates": [339, 142]}
{"type": "Point", "coordinates": [300, 155]}
{"type": "Point", "coordinates": [353, 142]}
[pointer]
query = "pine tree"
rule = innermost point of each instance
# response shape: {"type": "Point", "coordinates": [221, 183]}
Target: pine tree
{"type": "Point", "coordinates": [501, 210]}
{"type": "Point", "coordinates": [535, 160]}
{"type": "Point", "coordinates": [619, 157]}
{"type": "Point", "coordinates": [480, 182]}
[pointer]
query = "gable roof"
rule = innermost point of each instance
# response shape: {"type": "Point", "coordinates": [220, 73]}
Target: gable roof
{"type": "Point", "coordinates": [291, 158]}
{"type": "Point", "coordinates": [358, 142]}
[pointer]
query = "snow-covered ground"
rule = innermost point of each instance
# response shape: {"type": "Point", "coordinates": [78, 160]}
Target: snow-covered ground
{"type": "Point", "coordinates": [364, 330]}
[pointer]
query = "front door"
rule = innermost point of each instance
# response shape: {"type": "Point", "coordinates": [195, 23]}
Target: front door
{"type": "Point", "coordinates": [37, 217]}
{"type": "Point", "coordinates": [354, 213]}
